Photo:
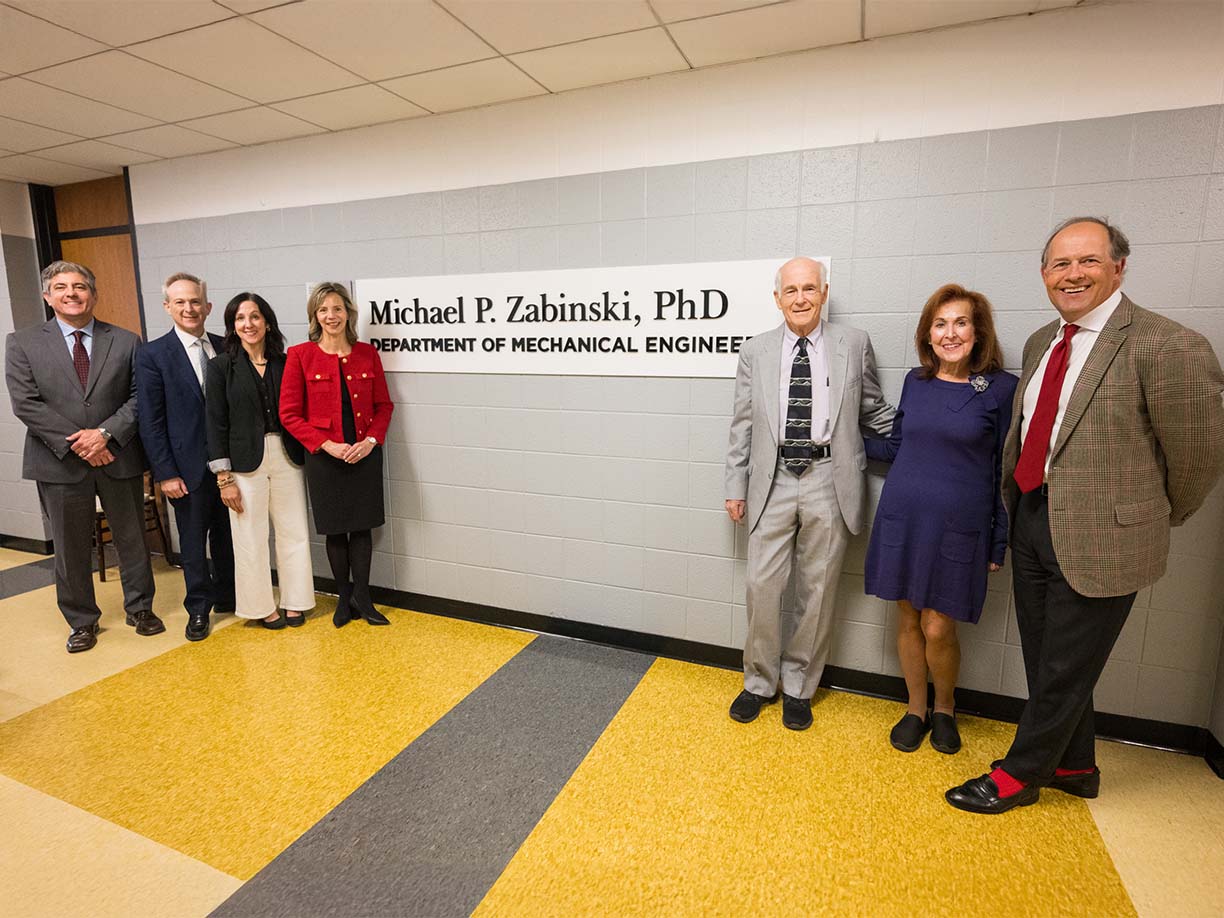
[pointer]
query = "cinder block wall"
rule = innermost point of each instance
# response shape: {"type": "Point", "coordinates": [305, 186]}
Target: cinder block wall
{"type": "Point", "coordinates": [599, 499]}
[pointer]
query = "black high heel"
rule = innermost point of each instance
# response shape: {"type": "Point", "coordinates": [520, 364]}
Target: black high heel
{"type": "Point", "coordinates": [365, 608]}
{"type": "Point", "coordinates": [344, 612]}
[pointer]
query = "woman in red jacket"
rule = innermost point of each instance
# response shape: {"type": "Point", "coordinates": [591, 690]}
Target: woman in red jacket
{"type": "Point", "coordinates": [334, 401]}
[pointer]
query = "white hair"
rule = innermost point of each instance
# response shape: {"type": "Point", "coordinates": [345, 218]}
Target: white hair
{"type": "Point", "coordinates": [820, 269]}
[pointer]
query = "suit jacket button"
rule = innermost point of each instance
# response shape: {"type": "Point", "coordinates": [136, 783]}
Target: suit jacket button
{"type": "Point", "coordinates": [358, 414]}
{"type": "Point", "coordinates": [88, 405]}
{"type": "Point", "coordinates": [349, 376]}
{"type": "Point", "coordinates": [318, 376]}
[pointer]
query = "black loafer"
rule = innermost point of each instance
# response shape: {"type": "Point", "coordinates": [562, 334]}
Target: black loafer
{"type": "Point", "coordinates": [1087, 786]}
{"type": "Point", "coordinates": [82, 639]}
{"type": "Point", "coordinates": [296, 621]}
{"type": "Point", "coordinates": [747, 705]}
{"type": "Point", "coordinates": [908, 733]}
{"type": "Point", "coordinates": [145, 622]}
{"type": "Point", "coordinates": [198, 626]}
{"type": "Point", "coordinates": [277, 623]}
{"type": "Point", "coordinates": [945, 737]}
{"type": "Point", "coordinates": [981, 795]}
{"type": "Point", "coordinates": [796, 712]}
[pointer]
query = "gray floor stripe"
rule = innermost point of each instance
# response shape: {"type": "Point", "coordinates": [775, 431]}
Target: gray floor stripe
{"type": "Point", "coordinates": [27, 577]}
{"type": "Point", "coordinates": [431, 832]}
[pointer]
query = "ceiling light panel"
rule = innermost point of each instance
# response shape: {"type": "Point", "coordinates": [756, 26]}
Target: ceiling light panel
{"type": "Point", "coordinates": [353, 107]}
{"type": "Point", "coordinates": [255, 125]}
{"type": "Point", "coordinates": [378, 39]}
{"type": "Point", "coordinates": [94, 154]}
{"type": "Point", "coordinates": [27, 43]}
{"type": "Point", "coordinates": [21, 137]}
{"type": "Point", "coordinates": [169, 140]}
{"type": "Point", "coordinates": [54, 108]}
{"type": "Point", "coordinates": [603, 60]}
{"type": "Point", "coordinates": [521, 25]}
{"type": "Point", "coordinates": [674, 10]}
{"type": "Point", "coordinates": [244, 58]}
{"type": "Point", "coordinates": [466, 86]}
{"type": "Point", "coordinates": [122, 22]}
{"type": "Point", "coordinates": [766, 30]}
{"type": "Point", "coordinates": [137, 85]}
{"type": "Point", "coordinates": [896, 17]}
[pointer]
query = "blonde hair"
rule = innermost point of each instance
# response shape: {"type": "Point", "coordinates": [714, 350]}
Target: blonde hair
{"type": "Point", "coordinates": [315, 300]}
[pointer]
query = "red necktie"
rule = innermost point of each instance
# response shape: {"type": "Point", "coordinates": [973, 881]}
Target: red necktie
{"type": "Point", "coordinates": [1030, 469]}
{"type": "Point", "coordinates": [80, 358]}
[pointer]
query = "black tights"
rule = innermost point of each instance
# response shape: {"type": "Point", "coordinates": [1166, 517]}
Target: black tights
{"type": "Point", "coordinates": [350, 554]}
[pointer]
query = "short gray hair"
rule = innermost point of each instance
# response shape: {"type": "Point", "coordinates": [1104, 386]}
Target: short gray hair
{"type": "Point", "coordinates": [183, 276]}
{"type": "Point", "coordinates": [1119, 245]}
{"type": "Point", "coordinates": [820, 268]}
{"type": "Point", "coordinates": [68, 267]}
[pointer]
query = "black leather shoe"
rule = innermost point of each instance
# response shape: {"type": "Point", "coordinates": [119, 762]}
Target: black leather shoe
{"type": "Point", "coordinates": [146, 622]}
{"type": "Point", "coordinates": [82, 639]}
{"type": "Point", "coordinates": [981, 795]}
{"type": "Point", "coordinates": [277, 623]}
{"type": "Point", "coordinates": [344, 609]}
{"type": "Point", "coordinates": [747, 705]}
{"type": "Point", "coordinates": [372, 616]}
{"type": "Point", "coordinates": [908, 733]}
{"type": "Point", "coordinates": [796, 712]}
{"type": "Point", "coordinates": [945, 737]}
{"type": "Point", "coordinates": [296, 621]}
{"type": "Point", "coordinates": [1087, 786]}
{"type": "Point", "coordinates": [199, 625]}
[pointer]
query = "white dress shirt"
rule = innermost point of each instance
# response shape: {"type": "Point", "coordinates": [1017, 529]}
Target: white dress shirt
{"type": "Point", "coordinates": [192, 345]}
{"type": "Point", "coordinates": [819, 366]}
{"type": "Point", "coordinates": [1090, 326]}
{"type": "Point", "coordinates": [68, 331]}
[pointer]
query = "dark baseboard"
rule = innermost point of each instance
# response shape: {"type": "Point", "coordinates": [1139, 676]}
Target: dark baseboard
{"type": "Point", "coordinates": [20, 543]}
{"type": "Point", "coordinates": [1159, 734]}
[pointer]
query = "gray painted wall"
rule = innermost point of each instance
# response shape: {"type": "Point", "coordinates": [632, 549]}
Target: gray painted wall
{"type": "Point", "coordinates": [599, 499]}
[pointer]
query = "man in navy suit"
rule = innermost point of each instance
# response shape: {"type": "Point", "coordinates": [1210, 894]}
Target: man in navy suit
{"type": "Point", "coordinates": [170, 393]}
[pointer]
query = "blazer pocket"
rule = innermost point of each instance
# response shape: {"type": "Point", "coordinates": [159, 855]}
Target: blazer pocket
{"type": "Point", "coordinates": [320, 422]}
{"type": "Point", "coordinates": [1144, 511]}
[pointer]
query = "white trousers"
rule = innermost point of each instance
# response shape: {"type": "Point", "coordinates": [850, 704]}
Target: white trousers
{"type": "Point", "coordinates": [276, 491]}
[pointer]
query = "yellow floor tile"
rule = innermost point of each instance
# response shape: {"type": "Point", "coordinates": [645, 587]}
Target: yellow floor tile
{"type": "Point", "coordinates": [227, 750]}
{"type": "Point", "coordinates": [677, 810]}
{"type": "Point", "coordinates": [10, 557]}
{"type": "Point", "coordinates": [61, 861]}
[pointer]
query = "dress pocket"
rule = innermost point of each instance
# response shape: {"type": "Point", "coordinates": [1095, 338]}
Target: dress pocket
{"type": "Point", "coordinates": [892, 531]}
{"type": "Point", "coordinates": [959, 546]}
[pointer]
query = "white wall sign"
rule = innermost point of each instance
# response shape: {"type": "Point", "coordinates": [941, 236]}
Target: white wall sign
{"type": "Point", "coordinates": [654, 320]}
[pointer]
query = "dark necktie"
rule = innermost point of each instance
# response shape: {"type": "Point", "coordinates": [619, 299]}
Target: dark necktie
{"type": "Point", "coordinates": [799, 410]}
{"type": "Point", "coordinates": [1030, 468]}
{"type": "Point", "coordinates": [80, 358]}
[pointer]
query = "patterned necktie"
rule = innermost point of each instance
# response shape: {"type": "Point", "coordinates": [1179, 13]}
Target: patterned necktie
{"type": "Point", "coordinates": [202, 359]}
{"type": "Point", "coordinates": [1030, 468]}
{"type": "Point", "coordinates": [799, 410]}
{"type": "Point", "coordinates": [80, 358]}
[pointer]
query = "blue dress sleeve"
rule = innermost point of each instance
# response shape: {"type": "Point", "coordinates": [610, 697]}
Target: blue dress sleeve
{"type": "Point", "coordinates": [1003, 417]}
{"type": "Point", "coordinates": [885, 450]}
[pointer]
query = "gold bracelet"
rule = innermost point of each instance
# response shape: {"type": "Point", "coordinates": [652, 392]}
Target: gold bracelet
{"type": "Point", "coordinates": [225, 482]}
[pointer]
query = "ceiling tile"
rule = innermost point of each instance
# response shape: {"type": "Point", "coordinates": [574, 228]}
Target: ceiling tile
{"type": "Point", "coordinates": [353, 107]}
{"type": "Point", "coordinates": [603, 60]}
{"type": "Point", "coordinates": [246, 59]}
{"type": "Point", "coordinates": [675, 10]}
{"type": "Point", "coordinates": [895, 17]}
{"type": "Point", "coordinates": [378, 39]}
{"type": "Point", "coordinates": [466, 86]}
{"type": "Point", "coordinates": [255, 125]}
{"type": "Point", "coordinates": [169, 141]}
{"type": "Point", "coordinates": [27, 43]}
{"type": "Point", "coordinates": [22, 137]}
{"type": "Point", "coordinates": [520, 25]}
{"type": "Point", "coordinates": [139, 86]}
{"type": "Point", "coordinates": [121, 22]}
{"type": "Point", "coordinates": [767, 30]}
{"type": "Point", "coordinates": [38, 104]}
{"type": "Point", "coordinates": [94, 154]}
{"type": "Point", "coordinates": [46, 172]}
{"type": "Point", "coordinates": [251, 6]}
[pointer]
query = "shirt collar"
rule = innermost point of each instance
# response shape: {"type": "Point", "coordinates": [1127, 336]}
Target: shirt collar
{"type": "Point", "coordinates": [1095, 320]}
{"type": "Point", "coordinates": [187, 340]}
{"type": "Point", "coordinates": [790, 341]}
{"type": "Point", "coordinates": [67, 330]}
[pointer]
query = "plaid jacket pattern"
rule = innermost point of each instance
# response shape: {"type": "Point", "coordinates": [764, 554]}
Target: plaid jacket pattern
{"type": "Point", "coordinates": [1140, 446]}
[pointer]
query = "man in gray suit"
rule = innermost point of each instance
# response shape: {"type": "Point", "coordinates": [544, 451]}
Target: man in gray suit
{"type": "Point", "coordinates": [804, 394]}
{"type": "Point", "coordinates": [71, 383]}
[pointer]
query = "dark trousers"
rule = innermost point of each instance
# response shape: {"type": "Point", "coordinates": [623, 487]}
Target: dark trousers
{"type": "Point", "coordinates": [203, 528]}
{"type": "Point", "coordinates": [1066, 639]}
{"type": "Point", "coordinates": [70, 508]}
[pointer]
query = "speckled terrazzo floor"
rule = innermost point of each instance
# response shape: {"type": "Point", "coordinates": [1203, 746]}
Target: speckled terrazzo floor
{"type": "Point", "coordinates": [440, 767]}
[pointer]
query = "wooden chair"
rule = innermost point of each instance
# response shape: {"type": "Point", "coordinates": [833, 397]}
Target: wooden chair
{"type": "Point", "coordinates": [152, 520]}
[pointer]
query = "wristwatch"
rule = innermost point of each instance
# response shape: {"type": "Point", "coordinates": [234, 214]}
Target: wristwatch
{"type": "Point", "coordinates": [106, 434]}
{"type": "Point", "coordinates": [371, 441]}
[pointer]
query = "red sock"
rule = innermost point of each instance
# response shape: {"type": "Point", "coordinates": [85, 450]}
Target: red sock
{"type": "Point", "coordinates": [1063, 772]}
{"type": "Point", "coordinates": [1006, 784]}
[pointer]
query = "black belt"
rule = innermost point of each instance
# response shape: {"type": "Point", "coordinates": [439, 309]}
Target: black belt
{"type": "Point", "coordinates": [812, 452]}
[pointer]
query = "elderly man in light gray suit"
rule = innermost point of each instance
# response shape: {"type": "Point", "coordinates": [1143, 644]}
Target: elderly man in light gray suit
{"type": "Point", "coordinates": [804, 394]}
{"type": "Point", "coordinates": [72, 385]}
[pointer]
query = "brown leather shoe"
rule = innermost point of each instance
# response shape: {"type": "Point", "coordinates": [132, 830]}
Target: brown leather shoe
{"type": "Point", "coordinates": [145, 622]}
{"type": "Point", "coordinates": [83, 639]}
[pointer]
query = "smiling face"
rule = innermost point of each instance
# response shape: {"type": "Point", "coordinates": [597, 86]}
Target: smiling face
{"type": "Point", "coordinates": [250, 324]}
{"type": "Point", "coordinates": [1079, 272]}
{"type": "Point", "coordinates": [332, 315]}
{"type": "Point", "coordinates": [801, 294]}
{"type": "Point", "coordinates": [187, 307]}
{"type": "Point", "coordinates": [951, 337]}
{"type": "Point", "coordinates": [72, 299]}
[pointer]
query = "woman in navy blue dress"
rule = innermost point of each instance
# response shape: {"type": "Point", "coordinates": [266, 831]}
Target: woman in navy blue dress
{"type": "Point", "coordinates": [940, 526]}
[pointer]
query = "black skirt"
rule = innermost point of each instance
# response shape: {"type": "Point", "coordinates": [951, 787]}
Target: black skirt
{"type": "Point", "coordinates": [345, 497]}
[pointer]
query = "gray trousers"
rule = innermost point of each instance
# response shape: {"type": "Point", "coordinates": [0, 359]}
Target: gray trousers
{"type": "Point", "coordinates": [801, 524]}
{"type": "Point", "coordinates": [70, 509]}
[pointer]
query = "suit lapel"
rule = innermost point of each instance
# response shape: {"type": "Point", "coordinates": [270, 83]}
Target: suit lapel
{"type": "Point", "coordinates": [180, 363]}
{"type": "Point", "coordinates": [101, 348]}
{"type": "Point", "coordinates": [57, 347]}
{"type": "Point", "coordinates": [771, 370]}
{"type": "Point", "coordinates": [835, 348]}
{"type": "Point", "coordinates": [1108, 343]}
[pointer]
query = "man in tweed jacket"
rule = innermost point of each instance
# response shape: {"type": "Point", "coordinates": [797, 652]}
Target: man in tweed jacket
{"type": "Point", "coordinates": [1136, 444]}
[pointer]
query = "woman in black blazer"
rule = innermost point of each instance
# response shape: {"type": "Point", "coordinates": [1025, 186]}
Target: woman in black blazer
{"type": "Point", "coordinates": [258, 465]}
